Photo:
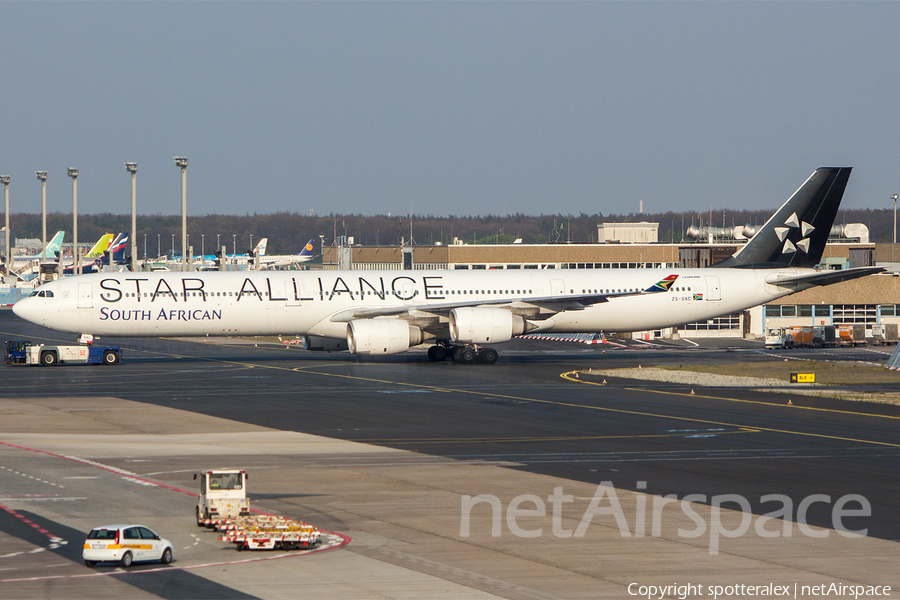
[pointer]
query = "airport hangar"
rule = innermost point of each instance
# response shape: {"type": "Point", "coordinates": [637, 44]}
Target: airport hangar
{"type": "Point", "coordinates": [871, 300]}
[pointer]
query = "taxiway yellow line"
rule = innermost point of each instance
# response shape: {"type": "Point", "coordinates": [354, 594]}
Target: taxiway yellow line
{"type": "Point", "coordinates": [597, 408]}
{"type": "Point", "coordinates": [568, 376]}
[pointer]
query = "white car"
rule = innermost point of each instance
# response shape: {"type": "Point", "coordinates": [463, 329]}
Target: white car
{"type": "Point", "coordinates": [125, 544]}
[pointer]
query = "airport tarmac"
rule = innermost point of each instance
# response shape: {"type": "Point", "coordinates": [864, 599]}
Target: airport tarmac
{"type": "Point", "coordinates": [388, 455]}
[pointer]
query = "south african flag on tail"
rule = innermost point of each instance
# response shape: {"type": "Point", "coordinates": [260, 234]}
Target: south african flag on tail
{"type": "Point", "coordinates": [662, 286]}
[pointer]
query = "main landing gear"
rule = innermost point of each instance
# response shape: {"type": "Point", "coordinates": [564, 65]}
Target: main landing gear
{"type": "Point", "coordinates": [463, 354]}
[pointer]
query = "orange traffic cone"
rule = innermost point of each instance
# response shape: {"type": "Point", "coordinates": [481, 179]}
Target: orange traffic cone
{"type": "Point", "coordinates": [692, 392]}
{"type": "Point", "coordinates": [790, 403]}
{"type": "Point", "coordinates": [604, 381]}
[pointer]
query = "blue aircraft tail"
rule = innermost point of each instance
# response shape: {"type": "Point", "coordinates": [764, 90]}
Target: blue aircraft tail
{"type": "Point", "coordinates": [118, 248]}
{"type": "Point", "coordinates": [308, 248]}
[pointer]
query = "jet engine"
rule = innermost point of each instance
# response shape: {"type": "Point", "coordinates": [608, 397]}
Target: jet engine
{"type": "Point", "coordinates": [484, 325]}
{"type": "Point", "coordinates": [382, 336]}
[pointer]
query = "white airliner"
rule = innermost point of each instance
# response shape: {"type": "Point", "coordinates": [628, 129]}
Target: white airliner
{"type": "Point", "coordinates": [458, 313]}
{"type": "Point", "coordinates": [273, 261]}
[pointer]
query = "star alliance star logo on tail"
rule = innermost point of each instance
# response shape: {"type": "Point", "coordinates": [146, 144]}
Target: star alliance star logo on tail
{"type": "Point", "coordinates": [783, 233]}
{"type": "Point", "coordinates": [662, 286]}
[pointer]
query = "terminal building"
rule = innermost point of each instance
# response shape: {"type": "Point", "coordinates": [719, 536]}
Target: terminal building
{"type": "Point", "coordinates": [870, 300]}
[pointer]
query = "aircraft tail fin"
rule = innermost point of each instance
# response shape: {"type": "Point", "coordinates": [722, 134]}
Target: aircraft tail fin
{"type": "Point", "coordinates": [118, 247]}
{"type": "Point", "coordinates": [260, 249]}
{"type": "Point", "coordinates": [100, 247]}
{"type": "Point", "coordinates": [54, 245]}
{"type": "Point", "coordinates": [796, 234]}
{"type": "Point", "coordinates": [308, 248]}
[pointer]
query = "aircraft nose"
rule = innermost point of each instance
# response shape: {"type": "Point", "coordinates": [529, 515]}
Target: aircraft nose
{"type": "Point", "coordinates": [20, 308]}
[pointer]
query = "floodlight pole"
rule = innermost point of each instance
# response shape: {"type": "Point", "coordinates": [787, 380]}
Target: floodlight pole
{"type": "Point", "coordinates": [42, 177]}
{"type": "Point", "coordinates": [132, 168]}
{"type": "Point", "coordinates": [76, 259]}
{"type": "Point", "coordinates": [894, 197]}
{"type": "Point", "coordinates": [4, 179]}
{"type": "Point", "coordinates": [182, 162]}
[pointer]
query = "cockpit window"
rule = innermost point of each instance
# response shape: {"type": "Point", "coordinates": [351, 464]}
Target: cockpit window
{"type": "Point", "coordinates": [42, 294]}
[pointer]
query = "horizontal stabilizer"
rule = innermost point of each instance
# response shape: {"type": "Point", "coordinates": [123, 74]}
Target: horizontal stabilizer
{"type": "Point", "coordinates": [823, 277]}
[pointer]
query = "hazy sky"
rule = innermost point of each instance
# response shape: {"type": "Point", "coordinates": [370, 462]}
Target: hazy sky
{"type": "Point", "coordinates": [447, 108]}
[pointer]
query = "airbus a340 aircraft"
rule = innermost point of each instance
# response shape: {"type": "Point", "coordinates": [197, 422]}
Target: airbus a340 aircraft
{"type": "Point", "coordinates": [458, 313]}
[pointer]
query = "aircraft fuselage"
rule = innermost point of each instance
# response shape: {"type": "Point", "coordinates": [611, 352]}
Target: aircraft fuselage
{"type": "Point", "coordinates": [291, 303]}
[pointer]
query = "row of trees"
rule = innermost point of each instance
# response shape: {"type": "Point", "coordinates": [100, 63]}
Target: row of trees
{"type": "Point", "coordinates": [288, 232]}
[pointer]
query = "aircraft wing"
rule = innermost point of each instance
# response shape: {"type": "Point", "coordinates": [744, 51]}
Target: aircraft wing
{"type": "Point", "coordinates": [544, 305]}
{"type": "Point", "coordinates": [823, 277]}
